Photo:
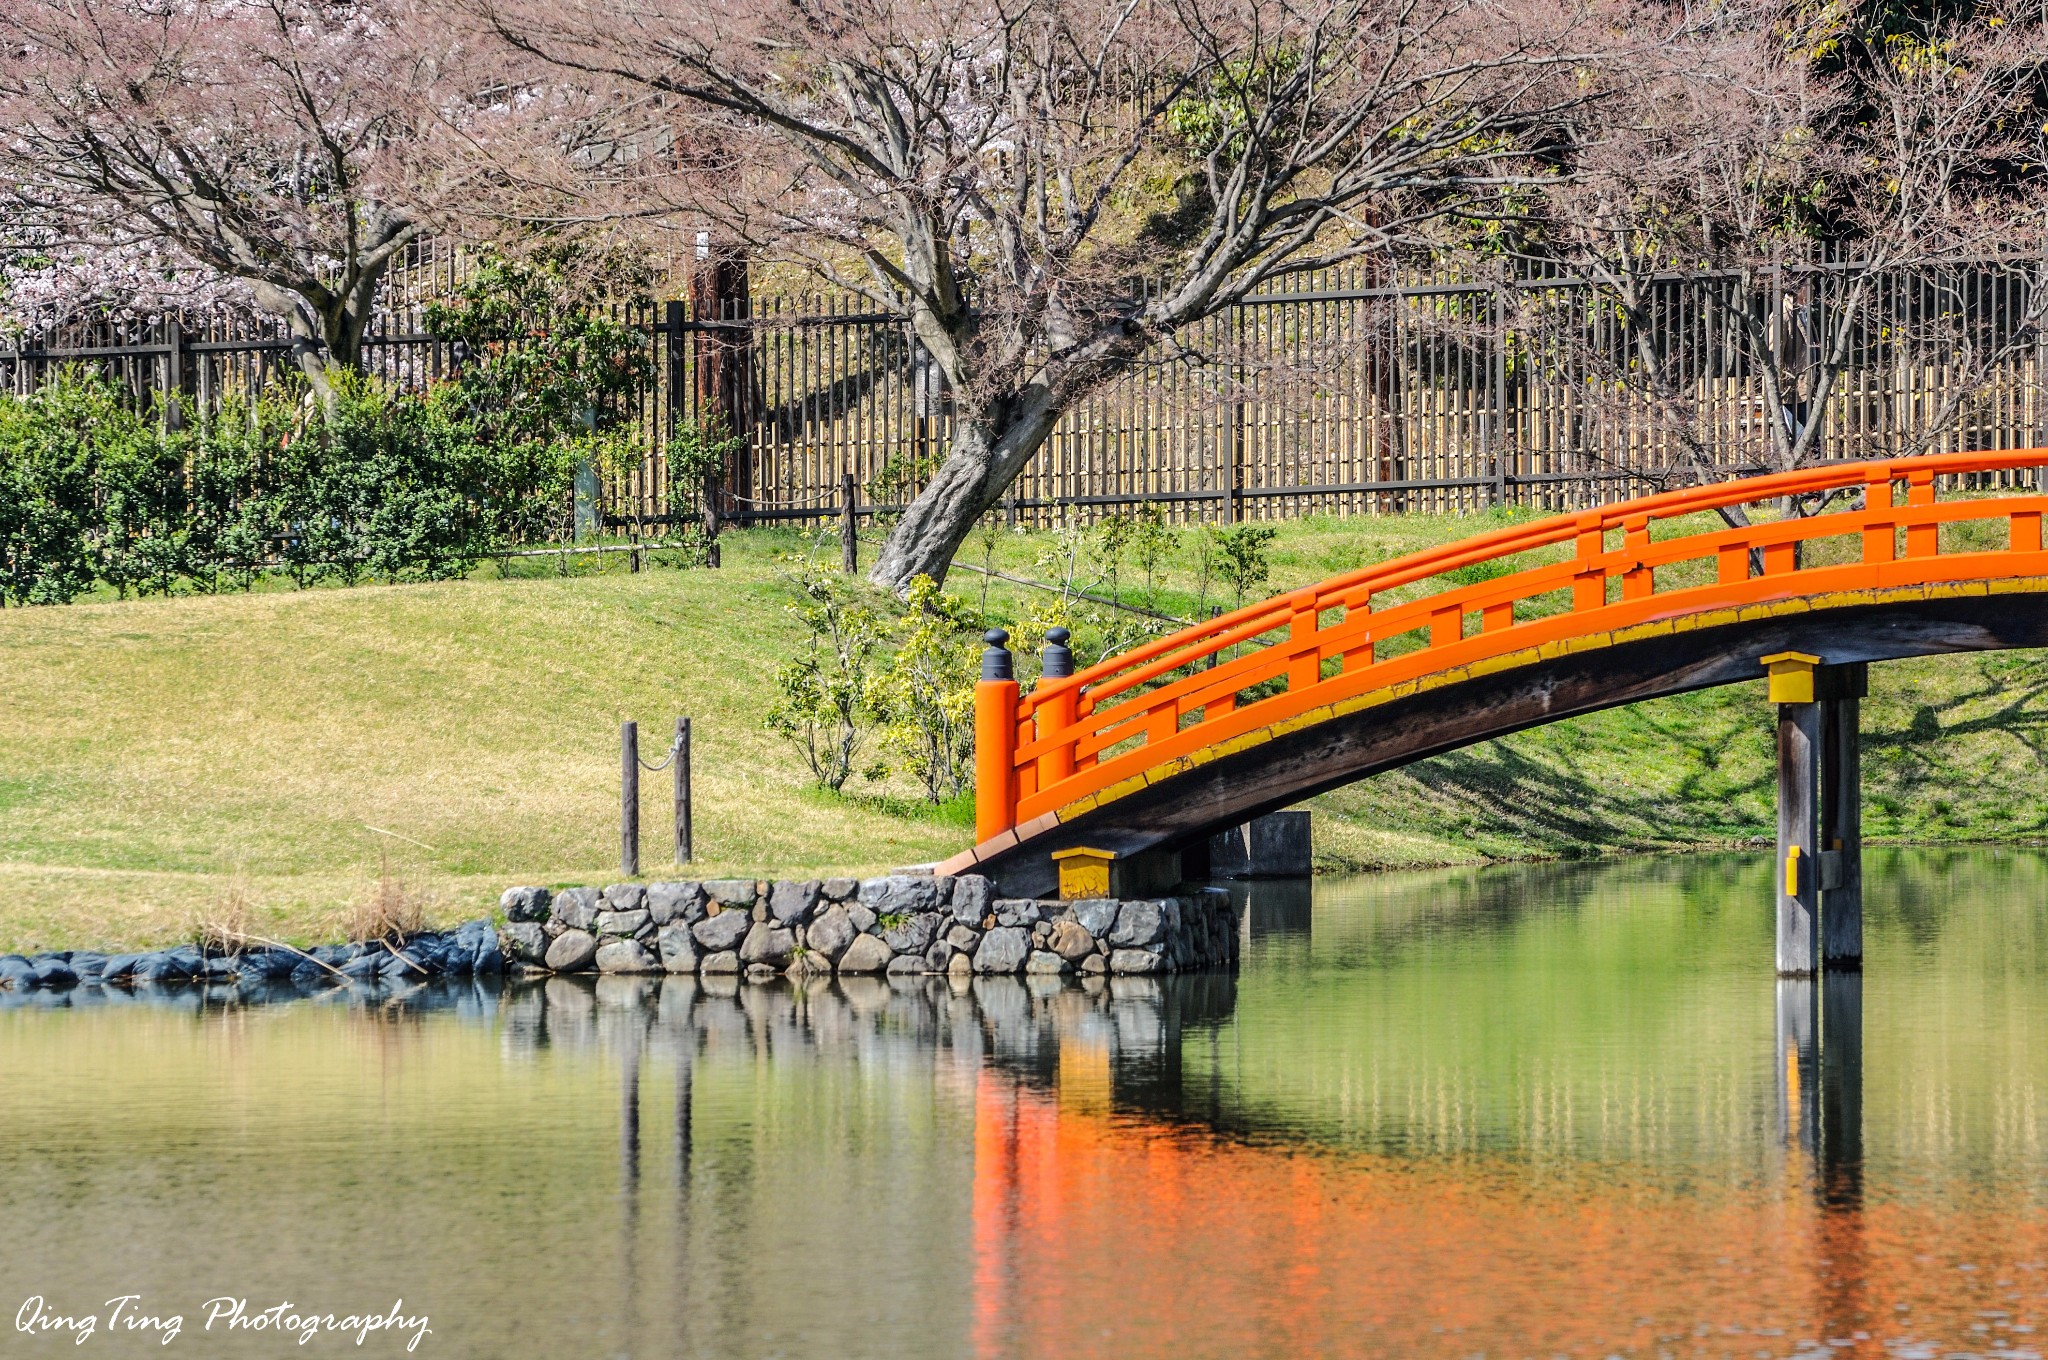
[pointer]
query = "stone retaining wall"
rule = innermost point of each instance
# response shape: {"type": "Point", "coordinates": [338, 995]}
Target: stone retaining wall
{"type": "Point", "coordinates": [471, 949]}
{"type": "Point", "coordinates": [902, 923]}
{"type": "Point", "coordinates": [742, 928]}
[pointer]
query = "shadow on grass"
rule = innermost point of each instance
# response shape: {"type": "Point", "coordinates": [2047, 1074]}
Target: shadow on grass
{"type": "Point", "coordinates": [1957, 751]}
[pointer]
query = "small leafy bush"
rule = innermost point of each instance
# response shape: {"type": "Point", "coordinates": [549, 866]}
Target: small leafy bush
{"type": "Point", "coordinates": [1242, 557]}
{"type": "Point", "coordinates": [826, 694]}
{"type": "Point", "coordinates": [925, 696]}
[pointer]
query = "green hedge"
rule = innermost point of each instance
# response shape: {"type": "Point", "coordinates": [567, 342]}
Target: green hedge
{"type": "Point", "coordinates": [374, 484]}
{"type": "Point", "coordinates": [378, 485]}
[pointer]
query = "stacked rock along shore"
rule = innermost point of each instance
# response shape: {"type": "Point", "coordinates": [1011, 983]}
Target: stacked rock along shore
{"type": "Point", "coordinates": [902, 923]}
{"type": "Point", "coordinates": [468, 950]}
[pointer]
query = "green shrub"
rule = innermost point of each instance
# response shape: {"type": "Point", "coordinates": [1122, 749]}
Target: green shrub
{"type": "Point", "coordinates": [826, 694]}
{"type": "Point", "coordinates": [54, 446]}
{"type": "Point", "coordinates": [231, 528]}
{"type": "Point", "coordinates": [925, 695]}
{"type": "Point", "coordinates": [371, 486]}
{"type": "Point", "coordinates": [376, 484]}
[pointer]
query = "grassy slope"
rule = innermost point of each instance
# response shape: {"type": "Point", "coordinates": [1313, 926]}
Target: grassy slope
{"type": "Point", "coordinates": [158, 758]}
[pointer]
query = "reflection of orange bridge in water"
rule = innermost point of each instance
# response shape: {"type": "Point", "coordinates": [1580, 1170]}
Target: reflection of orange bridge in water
{"type": "Point", "coordinates": [1153, 751]}
{"type": "Point", "coordinates": [1103, 1231]}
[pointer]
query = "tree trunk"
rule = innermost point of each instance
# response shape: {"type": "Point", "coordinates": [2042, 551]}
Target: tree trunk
{"type": "Point", "coordinates": [724, 370]}
{"type": "Point", "coordinates": [327, 326]}
{"type": "Point", "coordinates": [988, 449]}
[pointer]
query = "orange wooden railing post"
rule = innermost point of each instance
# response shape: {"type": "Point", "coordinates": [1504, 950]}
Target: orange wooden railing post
{"type": "Point", "coordinates": [995, 739]}
{"type": "Point", "coordinates": [1307, 666]}
{"type": "Point", "coordinates": [1056, 706]}
{"type": "Point", "coordinates": [1589, 587]}
{"type": "Point", "coordinates": [2025, 533]}
{"type": "Point", "coordinates": [1880, 537]}
{"type": "Point", "coordinates": [1637, 583]}
{"type": "Point", "coordinates": [1922, 540]}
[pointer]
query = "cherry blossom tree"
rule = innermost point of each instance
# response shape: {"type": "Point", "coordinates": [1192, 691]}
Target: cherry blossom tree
{"type": "Point", "coordinates": [50, 276]}
{"type": "Point", "coordinates": [268, 141]}
{"type": "Point", "coordinates": [1048, 193]}
{"type": "Point", "coordinates": [1833, 192]}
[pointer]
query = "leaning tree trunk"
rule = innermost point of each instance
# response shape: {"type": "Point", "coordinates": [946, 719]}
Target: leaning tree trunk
{"type": "Point", "coordinates": [988, 450]}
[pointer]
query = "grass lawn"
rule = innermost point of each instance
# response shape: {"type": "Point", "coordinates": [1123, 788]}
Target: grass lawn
{"type": "Point", "coordinates": [162, 759]}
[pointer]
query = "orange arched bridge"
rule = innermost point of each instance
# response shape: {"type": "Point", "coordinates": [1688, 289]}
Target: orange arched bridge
{"type": "Point", "coordinates": [1205, 729]}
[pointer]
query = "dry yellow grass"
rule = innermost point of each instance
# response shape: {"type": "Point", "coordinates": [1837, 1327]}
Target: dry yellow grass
{"type": "Point", "coordinates": [465, 733]}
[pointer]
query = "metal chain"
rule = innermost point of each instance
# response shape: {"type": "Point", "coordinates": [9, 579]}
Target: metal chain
{"type": "Point", "coordinates": [675, 748]}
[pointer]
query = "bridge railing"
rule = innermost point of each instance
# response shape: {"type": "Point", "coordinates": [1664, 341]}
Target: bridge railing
{"type": "Point", "coordinates": [1180, 698]}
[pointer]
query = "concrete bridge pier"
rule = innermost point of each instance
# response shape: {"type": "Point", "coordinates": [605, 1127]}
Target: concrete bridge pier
{"type": "Point", "coordinates": [1277, 845]}
{"type": "Point", "coordinates": [1819, 869]}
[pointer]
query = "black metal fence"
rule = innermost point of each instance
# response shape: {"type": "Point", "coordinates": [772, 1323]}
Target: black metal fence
{"type": "Point", "coordinates": [1332, 397]}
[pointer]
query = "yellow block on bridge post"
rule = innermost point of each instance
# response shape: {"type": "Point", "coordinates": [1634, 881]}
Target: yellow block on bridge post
{"type": "Point", "coordinates": [1084, 872]}
{"type": "Point", "coordinates": [1791, 675]}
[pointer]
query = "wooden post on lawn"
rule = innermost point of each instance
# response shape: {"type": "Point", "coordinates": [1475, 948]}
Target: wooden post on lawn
{"type": "Point", "coordinates": [682, 783]}
{"type": "Point", "coordinates": [629, 800]}
{"type": "Point", "coordinates": [849, 525]}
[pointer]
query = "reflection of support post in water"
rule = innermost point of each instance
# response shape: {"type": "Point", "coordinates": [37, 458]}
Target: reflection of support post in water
{"type": "Point", "coordinates": [629, 1120]}
{"type": "Point", "coordinates": [1275, 907]}
{"type": "Point", "coordinates": [1798, 1071]}
{"type": "Point", "coordinates": [1841, 1089]}
{"type": "Point", "coordinates": [1819, 1062]}
{"type": "Point", "coordinates": [1845, 1291]}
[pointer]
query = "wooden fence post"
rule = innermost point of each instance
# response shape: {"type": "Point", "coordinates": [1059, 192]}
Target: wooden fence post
{"type": "Point", "coordinates": [672, 326]}
{"type": "Point", "coordinates": [1498, 434]}
{"type": "Point", "coordinates": [171, 393]}
{"type": "Point", "coordinates": [629, 799]}
{"type": "Point", "coordinates": [849, 524]}
{"type": "Point", "coordinates": [1234, 451]}
{"type": "Point", "coordinates": [682, 784]}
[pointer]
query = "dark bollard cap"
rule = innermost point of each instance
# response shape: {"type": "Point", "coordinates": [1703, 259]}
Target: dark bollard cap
{"type": "Point", "coordinates": [995, 656]}
{"type": "Point", "coordinates": [1056, 660]}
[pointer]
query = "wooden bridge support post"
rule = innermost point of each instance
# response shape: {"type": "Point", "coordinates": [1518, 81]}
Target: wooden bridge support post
{"type": "Point", "coordinates": [1840, 692]}
{"type": "Point", "coordinates": [1819, 867]}
{"type": "Point", "coordinates": [1798, 883]}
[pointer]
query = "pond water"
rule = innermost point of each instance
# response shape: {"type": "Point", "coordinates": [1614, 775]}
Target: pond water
{"type": "Point", "coordinates": [1515, 1111]}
